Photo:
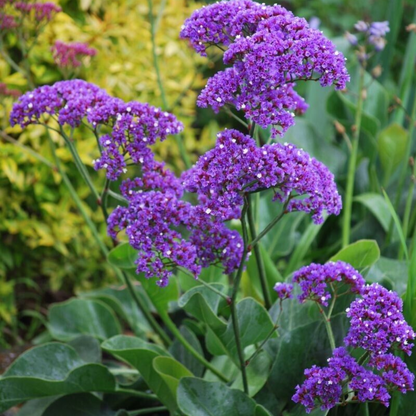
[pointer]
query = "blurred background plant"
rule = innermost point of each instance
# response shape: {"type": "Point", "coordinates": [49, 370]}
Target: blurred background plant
{"type": "Point", "coordinates": [47, 250]}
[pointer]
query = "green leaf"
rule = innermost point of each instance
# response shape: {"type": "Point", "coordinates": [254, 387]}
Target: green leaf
{"type": "Point", "coordinates": [392, 145]}
{"type": "Point", "coordinates": [84, 404]}
{"type": "Point", "coordinates": [50, 370]}
{"type": "Point", "coordinates": [257, 373]}
{"type": "Point", "coordinates": [160, 375]}
{"type": "Point", "coordinates": [123, 256]}
{"type": "Point", "coordinates": [120, 300]}
{"type": "Point", "coordinates": [87, 347]}
{"type": "Point", "coordinates": [254, 323]}
{"type": "Point", "coordinates": [179, 352]}
{"type": "Point", "coordinates": [68, 320]}
{"type": "Point", "coordinates": [171, 371]}
{"type": "Point", "coordinates": [361, 254]}
{"type": "Point", "coordinates": [377, 206]}
{"type": "Point", "coordinates": [203, 304]}
{"type": "Point", "coordinates": [261, 411]}
{"type": "Point", "coordinates": [390, 273]}
{"type": "Point", "coordinates": [212, 274]}
{"type": "Point", "coordinates": [397, 223]}
{"type": "Point", "coordinates": [197, 397]}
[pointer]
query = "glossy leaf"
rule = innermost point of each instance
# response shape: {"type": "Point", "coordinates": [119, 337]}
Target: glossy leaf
{"type": "Point", "coordinates": [198, 397]}
{"type": "Point", "coordinates": [361, 254]}
{"type": "Point", "coordinates": [68, 320]}
{"type": "Point", "coordinates": [50, 370]}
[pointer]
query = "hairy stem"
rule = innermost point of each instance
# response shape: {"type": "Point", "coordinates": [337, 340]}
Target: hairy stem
{"type": "Point", "coordinates": [346, 223]}
{"type": "Point", "coordinates": [257, 254]}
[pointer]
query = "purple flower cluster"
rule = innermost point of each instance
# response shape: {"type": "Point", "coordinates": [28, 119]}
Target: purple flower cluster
{"type": "Point", "coordinates": [327, 386]}
{"type": "Point", "coordinates": [236, 165]}
{"type": "Point", "coordinates": [283, 290]}
{"type": "Point", "coordinates": [133, 126]}
{"type": "Point", "coordinates": [7, 21]}
{"type": "Point", "coordinates": [69, 54]}
{"type": "Point", "coordinates": [376, 325]}
{"type": "Point", "coordinates": [315, 278]}
{"type": "Point", "coordinates": [377, 322]}
{"type": "Point", "coordinates": [268, 49]}
{"type": "Point", "coordinates": [40, 11]}
{"type": "Point", "coordinates": [152, 222]}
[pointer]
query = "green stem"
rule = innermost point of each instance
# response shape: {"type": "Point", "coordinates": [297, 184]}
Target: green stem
{"type": "Point", "coordinates": [233, 308]}
{"type": "Point", "coordinates": [328, 327]}
{"type": "Point", "coordinates": [80, 165]}
{"type": "Point", "coordinates": [178, 138]}
{"type": "Point", "coordinates": [270, 226]}
{"type": "Point", "coordinates": [104, 198]}
{"type": "Point", "coordinates": [146, 312]}
{"type": "Point", "coordinates": [257, 254]}
{"type": "Point", "coordinates": [175, 331]}
{"type": "Point", "coordinates": [255, 353]}
{"type": "Point", "coordinates": [207, 285]}
{"type": "Point", "coordinates": [137, 393]}
{"type": "Point", "coordinates": [124, 371]}
{"type": "Point", "coordinates": [346, 224]}
{"type": "Point", "coordinates": [76, 198]}
{"type": "Point", "coordinates": [148, 411]}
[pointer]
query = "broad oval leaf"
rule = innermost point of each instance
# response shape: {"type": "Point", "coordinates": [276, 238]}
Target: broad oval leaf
{"type": "Point", "coordinates": [361, 254]}
{"type": "Point", "coordinates": [50, 370]}
{"type": "Point", "coordinates": [75, 317]}
{"type": "Point", "coordinates": [198, 397]}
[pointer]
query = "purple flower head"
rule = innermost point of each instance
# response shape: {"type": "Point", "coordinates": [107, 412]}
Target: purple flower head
{"type": "Point", "coordinates": [284, 290]}
{"type": "Point", "coordinates": [344, 377]}
{"type": "Point", "coordinates": [394, 372]}
{"type": "Point", "coordinates": [236, 165]}
{"type": "Point", "coordinates": [70, 101]}
{"type": "Point", "coordinates": [39, 11]}
{"type": "Point", "coordinates": [268, 49]}
{"type": "Point", "coordinates": [315, 278]}
{"type": "Point", "coordinates": [377, 323]}
{"type": "Point", "coordinates": [155, 177]}
{"type": "Point", "coordinates": [153, 221]}
{"type": "Point", "coordinates": [69, 54]}
{"type": "Point", "coordinates": [134, 127]}
{"type": "Point", "coordinates": [7, 22]}
{"type": "Point", "coordinates": [379, 29]}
